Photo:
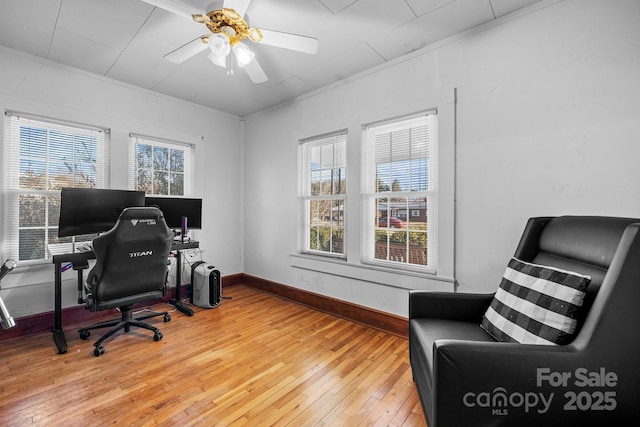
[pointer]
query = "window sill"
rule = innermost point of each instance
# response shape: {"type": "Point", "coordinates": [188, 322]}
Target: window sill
{"type": "Point", "coordinates": [396, 278]}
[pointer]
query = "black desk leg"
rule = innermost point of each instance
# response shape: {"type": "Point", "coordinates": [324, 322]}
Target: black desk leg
{"type": "Point", "coordinates": [58, 333]}
{"type": "Point", "coordinates": [177, 301]}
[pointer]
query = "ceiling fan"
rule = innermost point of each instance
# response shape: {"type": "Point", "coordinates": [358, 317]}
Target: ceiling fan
{"type": "Point", "coordinates": [228, 27]}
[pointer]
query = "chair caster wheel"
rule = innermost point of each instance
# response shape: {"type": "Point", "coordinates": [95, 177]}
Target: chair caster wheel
{"type": "Point", "coordinates": [98, 351]}
{"type": "Point", "coordinates": [166, 318]}
{"type": "Point", "coordinates": [157, 336]}
{"type": "Point", "coordinates": [84, 335]}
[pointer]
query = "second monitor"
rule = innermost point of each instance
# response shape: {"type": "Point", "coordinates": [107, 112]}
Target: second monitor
{"type": "Point", "coordinates": [175, 208]}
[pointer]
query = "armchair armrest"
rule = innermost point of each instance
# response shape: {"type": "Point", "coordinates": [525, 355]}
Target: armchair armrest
{"type": "Point", "coordinates": [448, 305]}
{"type": "Point", "coordinates": [527, 385]}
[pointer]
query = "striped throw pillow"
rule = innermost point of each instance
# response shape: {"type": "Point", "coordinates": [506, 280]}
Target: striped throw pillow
{"type": "Point", "coordinates": [535, 304]}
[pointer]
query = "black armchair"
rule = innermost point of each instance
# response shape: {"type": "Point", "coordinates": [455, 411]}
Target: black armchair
{"type": "Point", "coordinates": [131, 267]}
{"type": "Point", "coordinates": [465, 377]}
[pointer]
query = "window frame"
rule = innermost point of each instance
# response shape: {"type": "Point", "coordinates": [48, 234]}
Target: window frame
{"type": "Point", "coordinates": [187, 172]}
{"type": "Point", "coordinates": [13, 123]}
{"type": "Point", "coordinates": [305, 191]}
{"type": "Point", "coordinates": [372, 195]}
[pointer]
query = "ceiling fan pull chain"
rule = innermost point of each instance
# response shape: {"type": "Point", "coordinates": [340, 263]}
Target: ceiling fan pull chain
{"type": "Point", "coordinates": [229, 65]}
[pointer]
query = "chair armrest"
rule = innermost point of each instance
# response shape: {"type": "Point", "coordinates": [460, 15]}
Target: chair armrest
{"type": "Point", "coordinates": [476, 380]}
{"type": "Point", "coordinates": [448, 305]}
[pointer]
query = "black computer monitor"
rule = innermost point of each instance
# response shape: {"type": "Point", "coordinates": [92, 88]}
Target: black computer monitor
{"type": "Point", "coordinates": [93, 210]}
{"type": "Point", "coordinates": [174, 208]}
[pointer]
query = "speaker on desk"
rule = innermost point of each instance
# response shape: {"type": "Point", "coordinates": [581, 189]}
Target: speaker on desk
{"type": "Point", "coordinates": [206, 285]}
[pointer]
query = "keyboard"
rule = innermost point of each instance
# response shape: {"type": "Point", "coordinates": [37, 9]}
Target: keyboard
{"type": "Point", "coordinates": [68, 248]}
{"type": "Point", "coordinates": [84, 247]}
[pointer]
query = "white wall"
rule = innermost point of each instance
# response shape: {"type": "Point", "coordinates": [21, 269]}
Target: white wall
{"type": "Point", "coordinates": [547, 124]}
{"type": "Point", "coordinates": [40, 87]}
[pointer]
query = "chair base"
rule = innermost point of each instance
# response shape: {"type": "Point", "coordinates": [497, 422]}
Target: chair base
{"type": "Point", "coordinates": [125, 322]}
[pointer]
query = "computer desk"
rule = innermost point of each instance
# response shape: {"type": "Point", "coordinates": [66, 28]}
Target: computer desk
{"type": "Point", "coordinates": [81, 258]}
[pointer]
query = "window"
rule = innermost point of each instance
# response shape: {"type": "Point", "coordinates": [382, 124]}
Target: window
{"type": "Point", "coordinates": [323, 191]}
{"type": "Point", "coordinates": [159, 167]}
{"type": "Point", "coordinates": [401, 223]}
{"type": "Point", "coordinates": [40, 156]}
{"type": "Point", "coordinates": [399, 177]}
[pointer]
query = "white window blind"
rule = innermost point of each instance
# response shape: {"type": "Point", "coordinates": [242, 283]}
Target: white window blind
{"type": "Point", "coordinates": [159, 166]}
{"type": "Point", "coordinates": [323, 191]}
{"type": "Point", "coordinates": [40, 156]}
{"type": "Point", "coordinates": [400, 188]}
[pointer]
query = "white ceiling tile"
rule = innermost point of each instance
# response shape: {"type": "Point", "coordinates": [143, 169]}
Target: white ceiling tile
{"type": "Point", "coordinates": [305, 17]}
{"type": "Point", "coordinates": [198, 6]}
{"type": "Point", "coordinates": [443, 22]}
{"type": "Point", "coordinates": [502, 7]}
{"type": "Point", "coordinates": [168, 32]}
{"type": "Point", "coordinates": [198, 70]}
{"type": "Point", "coordinates": [401, 40]}
{"type": "Point", "coordinates": [341, 66]}
{"type": "Point", "coordinates": [244, 107]}
{"type": "Point", "coordinates": [336, 6]}
{"type": "Point", "coordinates": [420, 7]}
{"type": "Point", "coordinates": [362, 21]}
{"type": "Point", "coordinates": [28, 25]}
{"type": "Point", "coordinates": [282, 64]}
{"type": "Point", "coordinates": [321, 74]}
{"type": "Point", "coordinates": [221, 94]}
{"type": "Point", "coordinates": [354, 60]}
{"type": "Point", "coordinates": [127, 67]}
{"type": "Point", "coordinates": [166, 27]}
{"type": "Point", "coordinates": [283, 91]}
{"type": "Point", "coordinates": [111, 23]}
{"type": "Point", "coordinates": [76, 51]}
{"type": "Point", "coordinates": [456, 17]}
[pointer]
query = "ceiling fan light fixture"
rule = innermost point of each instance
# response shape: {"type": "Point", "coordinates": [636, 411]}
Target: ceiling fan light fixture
{"type": "Point", "coordinates": [219, 44]}
{"type": "Point", "coordinates": [220, 61]}
{"type": "Point", "coordinates": [243, 54]}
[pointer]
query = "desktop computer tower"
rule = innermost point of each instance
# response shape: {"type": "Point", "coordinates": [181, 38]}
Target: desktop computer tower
{"type": "Point", "coordinates": [206, 285]}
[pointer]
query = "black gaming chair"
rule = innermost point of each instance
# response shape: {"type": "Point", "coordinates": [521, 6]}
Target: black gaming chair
{"type": "Point", "coordinates": [131, 267]}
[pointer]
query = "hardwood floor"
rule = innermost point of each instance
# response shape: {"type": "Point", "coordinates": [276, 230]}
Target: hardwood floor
{"type": "Point", "coordinates": [256, 360]}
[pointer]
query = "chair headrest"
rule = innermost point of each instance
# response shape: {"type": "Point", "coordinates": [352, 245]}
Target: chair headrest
{"type": "Point", "coordinates": [141, 212]}
{"type": "Point", "coordinates": [588, 239]}
{"type": "Point", "coordinates": [140, 215]}
{"type": "Point", "coordinates": [145, 221]}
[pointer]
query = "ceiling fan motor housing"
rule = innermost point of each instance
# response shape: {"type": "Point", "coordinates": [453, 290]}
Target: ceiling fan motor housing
{"type": "Point", "coordinates": [229, 22]}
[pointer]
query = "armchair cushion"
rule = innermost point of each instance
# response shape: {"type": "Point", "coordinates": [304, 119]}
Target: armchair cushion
{"type": "Point", "coordinates": [535, 304]}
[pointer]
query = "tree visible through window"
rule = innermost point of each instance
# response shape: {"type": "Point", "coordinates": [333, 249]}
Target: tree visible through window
{"type": "Point", "coordinates": [41, 157]}
{"type": "Point", "coordinates": [159, 167]}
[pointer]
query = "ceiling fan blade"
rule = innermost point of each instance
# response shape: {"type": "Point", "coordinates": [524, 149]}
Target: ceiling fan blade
{"type": "Point", "coordinates": [186, 51]}
{"type": "Point", "coordinates": [255, 72]}
{"type": "Point", "coordinates": [289, 41]}
{"type": "Point", "coordinates": [172, 6]}
{"type": "Point", "coordinates": [239, 6]}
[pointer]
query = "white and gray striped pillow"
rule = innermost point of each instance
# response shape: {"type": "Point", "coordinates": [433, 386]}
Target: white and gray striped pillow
{"type": "Point", "coordinates": [535, 304]}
